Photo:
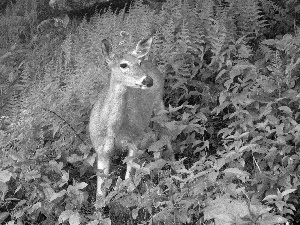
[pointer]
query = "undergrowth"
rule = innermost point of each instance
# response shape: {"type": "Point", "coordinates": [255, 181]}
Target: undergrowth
{"type": "Point", "coordinates": [232, 103]}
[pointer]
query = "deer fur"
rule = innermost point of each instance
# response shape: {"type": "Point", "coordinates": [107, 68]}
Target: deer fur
{"type": "Point", "coordinates": [119, 120]}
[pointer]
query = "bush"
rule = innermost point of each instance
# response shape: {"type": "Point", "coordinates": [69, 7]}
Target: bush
{"type": "Point", "coordinates": [232, 97]}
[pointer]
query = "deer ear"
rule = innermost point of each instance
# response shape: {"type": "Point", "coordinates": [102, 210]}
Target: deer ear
{"type": "Point", "coordinates": [107, 50]}
{"type": "Point", "coordinates": [142, 48]}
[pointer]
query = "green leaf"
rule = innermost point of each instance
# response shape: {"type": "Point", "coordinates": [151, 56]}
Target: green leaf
{"type": "Point", "coordinates": [272, 219]}
{"type": "Point", "coordinates": [75, 218]}
{"type": "Point", "coordinates": [286, 109]}
{"type": "Point", "coordinates": [34, 208]}
{"type": "Point", "coordinates": [20, 213]}
{"type": "Point", "coordinates": [81, 185]}
{"type": "Point", "coordinates": [94, 222]}
{"type": "Point", "coordinates": [237, 172]}
{"type": "Point", "coordinates": [269, 42]}
{"type": "Point", "coordinates": [221, 73]}
{"type": "Point", "coordinates": [48, 192]}
{"type": "Point", "coordinates": [174, 109]}
{"type": "Point", "coordinates": [175, 127]}
{"type": "Point", "coordinates": [285, 42]}
{"type": "Point", "coordinates": [90, 160]}
{"type": "Point", "coordinates": [64, 178]}
{"type": "Point", "coordinates": [56, 165]}
{"type": "Point", "coordinates": [58, 195]}
{"type": "Point", "coordinates": [55, 129]}
{"type": "Point", "coordinates": [224, 209]}
{"type": "Point", "coordinates": [247, 147]}
{"type": "Point", "coordinates": [288, 191]}
{"type": "Point", "coordinates": [224, 219]}
{"type": "Point", "coordinates": [16, 156]}
{"type": "Point", "coordinates": [222, 97]}
{"type": "Point", "coordinates": [74, 158]}
{"type": "Point", "coordinates": [213, 176]}
{"type": "Point", "coordinates": [5, 176]}
{"type": "Point", "coordinates": [65, 215]}
{"type": "Point", "coordinates": [32, 175]}
{"type": "Point", "coordinates": [3, 216]}
{"type": "Point", "coordinates": [270, 197]}
{"type": "Point", "coordinates": [219, 163]}
{"type": "Point", "coordinates": [135, 213]}
{"type": "Point", "coordinates": [158, 164]}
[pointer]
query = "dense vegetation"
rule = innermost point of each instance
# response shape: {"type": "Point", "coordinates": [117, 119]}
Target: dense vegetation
{"type": "Point", "coordinates": [232, 107]}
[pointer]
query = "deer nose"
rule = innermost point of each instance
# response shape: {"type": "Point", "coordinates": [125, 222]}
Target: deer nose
{"type": "Point", "coordinates": [148, 81]}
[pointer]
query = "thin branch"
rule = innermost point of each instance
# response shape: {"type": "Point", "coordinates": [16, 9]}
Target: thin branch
{"type": "Point", "coordinates": [66, 123]}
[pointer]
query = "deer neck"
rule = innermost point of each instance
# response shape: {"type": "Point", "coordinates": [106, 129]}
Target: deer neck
{"type": "Point", "coordinates": [115, 96]}
{"type": "Point", "coordinates": [107, 114]}
{"type": "Point", "coordinates": [113, 105]}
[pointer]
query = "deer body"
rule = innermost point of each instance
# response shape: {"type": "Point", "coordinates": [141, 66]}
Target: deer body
{"type": "Point", "coordinates": [119, 120]}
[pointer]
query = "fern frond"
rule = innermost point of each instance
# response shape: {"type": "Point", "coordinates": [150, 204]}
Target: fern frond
{"type": "Point", "coordinates": [248, 17]}
{"type": "Point", "coordinates": [207, 9]}
{"type": "Point", "coordinates": [270, 7]}
{"type": "Point", "coordinates": [217, 36]}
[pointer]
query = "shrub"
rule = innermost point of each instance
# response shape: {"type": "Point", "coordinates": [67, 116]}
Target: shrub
{"type": "Point", "coordinates": [232, 105]}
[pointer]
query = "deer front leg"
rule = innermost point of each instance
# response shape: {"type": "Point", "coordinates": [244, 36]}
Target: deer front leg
{"type": "Point", "coordinates": [132, 149]}
{"type": "Point", "coordinates": [104, 153]}
{"type": "Point", "coordinates": [127, 143]}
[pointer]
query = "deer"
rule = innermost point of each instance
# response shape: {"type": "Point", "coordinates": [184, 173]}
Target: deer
{"type": "Point", "coordinates": [119, 120]}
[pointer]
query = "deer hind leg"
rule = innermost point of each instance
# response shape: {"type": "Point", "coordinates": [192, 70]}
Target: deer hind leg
{"type": "Point", "coordinates": [103, 162]}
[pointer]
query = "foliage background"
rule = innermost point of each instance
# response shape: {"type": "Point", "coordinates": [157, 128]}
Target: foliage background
{"type": "Point", "coordinates": [232, 97]}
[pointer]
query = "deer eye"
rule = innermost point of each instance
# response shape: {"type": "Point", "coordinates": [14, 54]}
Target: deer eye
{"type": "Point", "coordinates": [124, 65]}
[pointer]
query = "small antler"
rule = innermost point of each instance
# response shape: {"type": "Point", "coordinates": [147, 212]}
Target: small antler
{"type": "Point", "coordinates": [126, 37]}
